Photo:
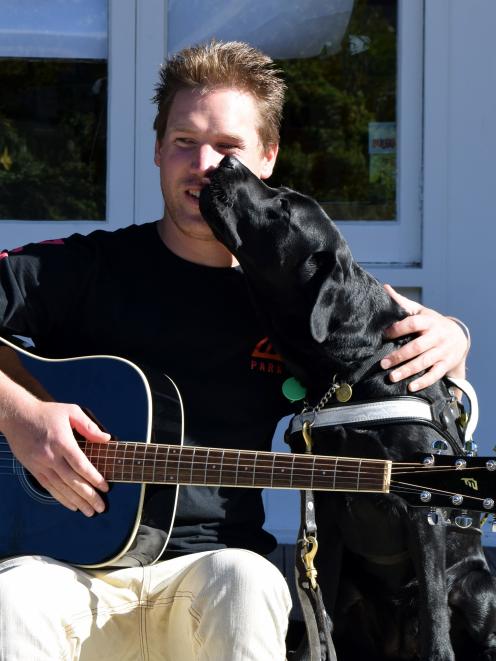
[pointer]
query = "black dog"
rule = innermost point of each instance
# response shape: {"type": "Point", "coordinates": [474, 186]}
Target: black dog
{"type": "Point", "coordinates": [397, 587]}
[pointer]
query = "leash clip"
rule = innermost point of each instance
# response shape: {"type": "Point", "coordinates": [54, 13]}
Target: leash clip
{"type": "Point", "coordinates": [306, 430]}
{"type": "Point", "coordinates": [308, 558]}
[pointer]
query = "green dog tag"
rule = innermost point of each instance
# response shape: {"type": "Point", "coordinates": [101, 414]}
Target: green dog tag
{"type": "Point", "coordinates": [293, 390]}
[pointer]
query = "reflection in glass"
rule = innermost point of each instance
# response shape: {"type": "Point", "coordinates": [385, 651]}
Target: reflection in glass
{"type": "Point", "coordinates": [53, 110]}
{"type": "Point", "coordinates": [338, 140]}
{"type": "Point", "coordinates": [339, 56]}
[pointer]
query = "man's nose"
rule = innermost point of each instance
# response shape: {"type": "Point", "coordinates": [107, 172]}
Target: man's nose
{"type": "Point", "coordinates": [205, 159]}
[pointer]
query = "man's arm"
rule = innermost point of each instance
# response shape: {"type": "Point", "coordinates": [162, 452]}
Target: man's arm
{"type": "Point", "coordinates": [440, 346]}
{"type": "Point", "coordinates": [40, 434]}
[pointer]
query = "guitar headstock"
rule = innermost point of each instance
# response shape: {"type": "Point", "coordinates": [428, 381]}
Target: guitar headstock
{"type": "Point", "coordinates": [443, 481]}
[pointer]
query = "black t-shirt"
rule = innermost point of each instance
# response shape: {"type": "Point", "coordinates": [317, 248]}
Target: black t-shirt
{"type": "Point", "coordinates": [124, 293]}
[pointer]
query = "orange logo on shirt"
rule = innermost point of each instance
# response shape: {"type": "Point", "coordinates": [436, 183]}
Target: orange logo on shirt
{"type": "Point", "coordinates": [264, 358]}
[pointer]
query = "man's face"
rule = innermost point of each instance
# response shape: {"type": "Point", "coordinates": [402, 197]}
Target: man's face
{"type": "Point", "coordinates": [201, 130]}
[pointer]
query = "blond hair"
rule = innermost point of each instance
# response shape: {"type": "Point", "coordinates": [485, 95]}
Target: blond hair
{"type": "Point", "coordinates": [217, 64]}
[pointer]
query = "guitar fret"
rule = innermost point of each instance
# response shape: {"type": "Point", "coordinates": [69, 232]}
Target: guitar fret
{"type": "Point", "coordinates": [155, 464]}
{"type": "Point", "coordinates": [206, 466]}
{"type": "Point", "coordinates": [292, 471]}
{"type": "Point", "coordinates": [222, 457]}
{"type": "Point", "coordinates": [237, 467]}
{"type": "Point", "coordinates": [313, 471]}
{"type": "Point", "coordinates": [166, 464]}
{"type": "Point", "coordinates": [192, 465]}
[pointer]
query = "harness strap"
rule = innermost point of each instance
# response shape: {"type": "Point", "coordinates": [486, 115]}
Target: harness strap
{"type": "Point", "coordinates": [394, 410]}
{"type": "Point", "coordinates": [397, 409]}
{"type": "Point", "coordinates": [469, 392]}
{"type": "Point", "coordinates": [317, 621]}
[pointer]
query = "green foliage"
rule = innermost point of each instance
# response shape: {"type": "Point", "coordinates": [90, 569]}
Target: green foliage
{"type": "Point", "coordinates": [331, 101]}
{"type": "Point", "coordinates": [53, 128]}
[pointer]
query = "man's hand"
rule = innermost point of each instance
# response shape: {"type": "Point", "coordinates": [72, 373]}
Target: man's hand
{"type": "Point", "coordinates": [440, 346]}
{"type": "Point", "coordinates": [41, 436]}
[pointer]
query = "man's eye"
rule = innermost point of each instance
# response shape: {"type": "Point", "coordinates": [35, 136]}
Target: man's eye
{"type": "Point", "coordinates": [226, 147]}
{"type": "Point", "coordinates": [184, 141]}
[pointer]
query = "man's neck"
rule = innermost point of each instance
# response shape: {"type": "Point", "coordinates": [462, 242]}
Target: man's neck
{"type": "Point", "coordinates": [205, 251]}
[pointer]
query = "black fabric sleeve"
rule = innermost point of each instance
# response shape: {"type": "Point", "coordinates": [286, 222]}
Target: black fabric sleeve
{"type": "Point", "coordinates": [41, 285]}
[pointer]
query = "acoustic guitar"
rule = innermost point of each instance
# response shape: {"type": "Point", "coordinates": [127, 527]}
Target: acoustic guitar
{"type": "Point", "coordinates": [127, 402]}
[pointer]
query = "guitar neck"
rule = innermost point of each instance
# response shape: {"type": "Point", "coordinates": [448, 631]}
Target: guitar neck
{"type": "Point", "coordinates": [154, 463]}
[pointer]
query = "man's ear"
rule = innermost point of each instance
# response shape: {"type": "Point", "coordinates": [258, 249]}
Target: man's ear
{"type": "Point", "coordinates": [269, 160]}
{"type": "Point", "coordinates": [156, 157]}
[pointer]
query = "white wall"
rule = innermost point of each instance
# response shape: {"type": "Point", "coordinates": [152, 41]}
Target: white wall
{"type": "Point", "coordinates": [460, 179]}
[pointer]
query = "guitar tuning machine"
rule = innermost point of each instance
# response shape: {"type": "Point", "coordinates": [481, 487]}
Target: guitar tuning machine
{"type": "Point", "coordinates": [463, 520]}
{"type": "Point", "coordinates": [425, 496]}
{"type": "Point", "coordinates": [457, 500]}
{"type": "Point", "coordinates": [437, 517]}
{"type": "Point", "coordinates": [440, 446]}
{"type": "Point", "coordinates": [491, 465]}
{"type": "Point", "coordinates": [470, 448]}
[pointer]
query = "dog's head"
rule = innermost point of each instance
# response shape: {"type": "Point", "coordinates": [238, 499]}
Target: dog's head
{"type": "Point", "coordinates": [276, 229]}
{"type": "Point", "coordinates": [318, 302]}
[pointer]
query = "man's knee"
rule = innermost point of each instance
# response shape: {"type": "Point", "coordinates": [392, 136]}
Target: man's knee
{"type": "Point", "coordinates": [245, 575]}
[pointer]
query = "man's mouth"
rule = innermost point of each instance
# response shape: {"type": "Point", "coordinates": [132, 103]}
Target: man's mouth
{"type": "Point", "coordinates": [193, 193]}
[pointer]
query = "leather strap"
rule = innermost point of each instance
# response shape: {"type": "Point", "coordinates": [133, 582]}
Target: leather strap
{"type": "Point", "coordinates": [318, 624]}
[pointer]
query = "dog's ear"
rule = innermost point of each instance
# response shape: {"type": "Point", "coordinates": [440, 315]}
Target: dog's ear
{"type": "Point", "coordinates": [320, 316]}
{"type": "Point", "coordinates": [331, 298]}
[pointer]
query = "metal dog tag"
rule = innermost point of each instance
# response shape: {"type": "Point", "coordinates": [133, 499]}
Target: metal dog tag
{"type": "Point", "coordinates": [344, 393]}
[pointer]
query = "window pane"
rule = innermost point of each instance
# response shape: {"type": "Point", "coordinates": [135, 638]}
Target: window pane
{"type": "Point", "coordinates": [339, 56]}
{"type": "Point", "coordinates": [338, 139]}
{"type": "Point", "coordinates": [53, 111]}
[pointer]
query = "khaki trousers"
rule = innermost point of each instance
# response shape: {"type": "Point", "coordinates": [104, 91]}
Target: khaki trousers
{"type": "Point", "coordinates": [226, 605]}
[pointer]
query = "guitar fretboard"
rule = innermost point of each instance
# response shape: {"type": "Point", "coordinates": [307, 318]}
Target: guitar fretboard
{"type": "Point", "coordinates": [173, 464]}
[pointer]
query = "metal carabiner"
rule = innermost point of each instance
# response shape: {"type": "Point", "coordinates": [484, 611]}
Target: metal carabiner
{"type": "Point", "coordinates": [308, 558]}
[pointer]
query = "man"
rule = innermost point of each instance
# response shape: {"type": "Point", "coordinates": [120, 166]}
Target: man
{"type": "Point", "coordinates": [167, 294]}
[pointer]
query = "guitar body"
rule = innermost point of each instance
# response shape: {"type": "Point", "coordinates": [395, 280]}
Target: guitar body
{"type": "Point", "coordinates": [116, 393]}
{"type": "Point", "coordinates": [143, 412]}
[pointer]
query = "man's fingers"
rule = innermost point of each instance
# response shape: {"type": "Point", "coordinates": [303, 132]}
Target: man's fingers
{"type": "Point", "coordinates": [66, 495]}
{"type": "Point", "coordinates": [77, 475]}
{"type": "Point", "coordinates": [411, 325]}
{"type": "Point", "coordinates": [411, 350]}
{"type": "Point", "coordinates": [53, 491]}
{"type": "Point", "coordinates": [78, 461]}
{"type": "Point", "coordinates": [86, 427]}
{"type": "Point", "coordinates": [420, 363]}
{"type": "Point", "coordinates": [411, 307]}
{"type": "Point", "coordinates": [436, 372]}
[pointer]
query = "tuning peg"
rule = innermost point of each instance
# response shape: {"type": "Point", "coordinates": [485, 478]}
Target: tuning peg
{"type": "Point", "coordinates": [470, 448]}
{"type": "Point", "coordinates": [440, 446]}
{"type": "Point", "coordinates": [463, 520]}
{"type": "Point", "coordinates": [437, 517]}
{"type": "Point", "coordinates": [433, 517]}
{"type": "Point", "coordinates": [491, 465]}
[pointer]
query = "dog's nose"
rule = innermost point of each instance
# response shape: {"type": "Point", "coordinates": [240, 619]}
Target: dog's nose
{"type": "Point", "coordinates": [228, 162]}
